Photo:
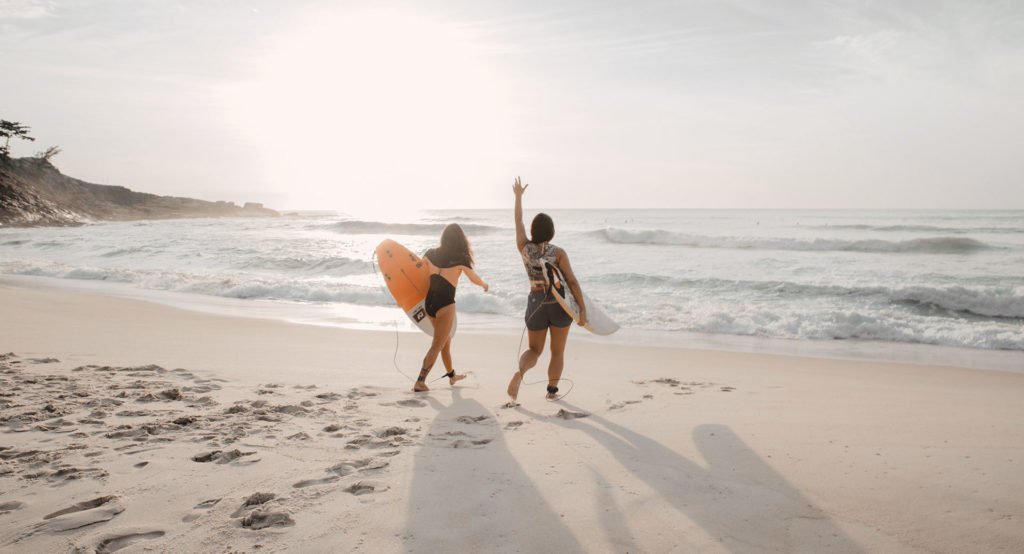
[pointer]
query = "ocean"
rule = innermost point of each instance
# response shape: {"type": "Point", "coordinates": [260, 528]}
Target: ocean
{"type": "Point", "coordinates": [842, 281]}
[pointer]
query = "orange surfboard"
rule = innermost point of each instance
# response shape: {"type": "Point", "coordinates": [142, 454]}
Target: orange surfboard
{"type": "Point", "coordinates": [408, 279]}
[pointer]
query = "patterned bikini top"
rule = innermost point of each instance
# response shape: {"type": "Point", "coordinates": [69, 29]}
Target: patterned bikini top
{"type": "Point", "coordinates": [534, 256]}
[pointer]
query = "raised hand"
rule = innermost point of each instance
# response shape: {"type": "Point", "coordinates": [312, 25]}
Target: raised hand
{"type": "Point", "coordinates": [519, 188]}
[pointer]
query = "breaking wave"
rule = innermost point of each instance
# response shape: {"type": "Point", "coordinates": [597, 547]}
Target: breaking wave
{"type": "Point", "coordinates": [931, 245]}
{"type": "Point", "coordinates": [357, 227]}
{"type": "Point", "coordinates": [922, 228]}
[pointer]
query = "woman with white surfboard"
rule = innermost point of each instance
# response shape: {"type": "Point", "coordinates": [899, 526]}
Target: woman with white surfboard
{"type": "Point", "coordinates": [448, 262]}
{"type": "Point", "coordinates": [544, 315]}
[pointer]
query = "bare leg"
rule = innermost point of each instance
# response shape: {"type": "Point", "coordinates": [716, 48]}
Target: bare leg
{"type": "Point", "coordinates": [527, 360]}
{"type": "Point", "coordinates": [559, 336]}
{"type": "Point", "coordinates": [446, 355]}
{"type": "Point", "coordinates": [442, 327]}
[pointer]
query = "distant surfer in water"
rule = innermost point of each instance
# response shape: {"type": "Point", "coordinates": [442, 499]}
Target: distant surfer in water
{"type": "Point", "coordinates": [543, 313]}
{"type": "Point", "coordinates": [452, 258]}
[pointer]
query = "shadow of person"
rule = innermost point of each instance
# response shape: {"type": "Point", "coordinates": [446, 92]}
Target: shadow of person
{"type": "Point", "coordinates": [468, 492]}
{"type": "Point", "coordinates": [740, 501]}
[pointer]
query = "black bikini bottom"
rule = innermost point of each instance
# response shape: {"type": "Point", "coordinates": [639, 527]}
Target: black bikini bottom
{"type": "Point", "coordinates": [440, 294]}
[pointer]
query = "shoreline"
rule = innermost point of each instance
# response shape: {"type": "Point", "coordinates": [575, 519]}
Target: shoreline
{"type": "Point", "coordinates": [309, 431]}
{"type": "Point", "coordinates": [328, 316]}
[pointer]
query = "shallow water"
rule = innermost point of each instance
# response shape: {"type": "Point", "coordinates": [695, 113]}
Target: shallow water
{"type": "Point", "coordinates": [922, 277]}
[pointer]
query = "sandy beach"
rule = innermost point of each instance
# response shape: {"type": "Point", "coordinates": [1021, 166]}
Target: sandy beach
{"type": "Point", "coordinates": [131, 426]}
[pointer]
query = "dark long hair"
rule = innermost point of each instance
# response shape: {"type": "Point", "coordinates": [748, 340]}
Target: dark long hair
{"type": "Point", "coordinates": [542, 229]}
{"type": "Point", "coordinates": [455, 246]}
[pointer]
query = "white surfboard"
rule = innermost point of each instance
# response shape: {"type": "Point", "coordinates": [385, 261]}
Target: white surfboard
{"type": "Point", "coordinates": [598, 322]}
{"type": "Point", "coordinates": [418, 316]}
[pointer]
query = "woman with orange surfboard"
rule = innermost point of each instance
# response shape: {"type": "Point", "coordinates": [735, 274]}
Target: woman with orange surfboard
{"type": "Point", "coordinates": [452, 258]}
{"type": "Point", "coordinates": [543, 314]}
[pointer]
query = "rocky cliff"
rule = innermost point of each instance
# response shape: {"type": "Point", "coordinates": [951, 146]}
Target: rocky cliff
{"type": "Point", "coordinates": [35, 193]}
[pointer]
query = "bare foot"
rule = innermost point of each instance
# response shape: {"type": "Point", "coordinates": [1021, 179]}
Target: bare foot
{"type": "Point", "coordinates": [456, 378]}
{"type": "Point", "coordinates": [551, 396]}
{"type": "Point", "coordinates": [513, 386]}
{"type": "Point", "coordinates": [420, 386]}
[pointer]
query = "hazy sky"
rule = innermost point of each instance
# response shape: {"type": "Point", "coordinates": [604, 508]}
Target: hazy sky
{"type": "Point", "coordinates": [357, 105]}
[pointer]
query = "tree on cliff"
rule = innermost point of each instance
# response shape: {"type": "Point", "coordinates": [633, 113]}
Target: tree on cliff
{"type": "Point", "coordinates": [50, 152]}
{"type": "Point", "coordinates": [12, 129]}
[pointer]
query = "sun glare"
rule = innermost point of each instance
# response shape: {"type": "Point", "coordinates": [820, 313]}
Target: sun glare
{"type": "Point", "coordinates": [368, 111]}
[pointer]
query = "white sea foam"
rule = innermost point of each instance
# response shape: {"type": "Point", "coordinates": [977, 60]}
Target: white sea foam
{"type": "Point", "coordinates": [934, 229]}
{"type": "Point", "coordinates": [927, 245]}
{"type": "Point", "coordinates": [377, 227]}
{"type": "Point", "coordinates": [801, 275]}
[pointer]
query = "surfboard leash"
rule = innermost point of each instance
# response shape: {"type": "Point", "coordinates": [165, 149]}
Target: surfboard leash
{"type": "Point", "coordinates": [394, 321]}
{"type": "Point", "coordinates": [519, 351]}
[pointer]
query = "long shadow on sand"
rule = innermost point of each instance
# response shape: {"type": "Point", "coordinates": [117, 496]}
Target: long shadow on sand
{"type": "Point", "coordinates": [738, 499]}
{"type": "Point", "coordinates": [466, 484]}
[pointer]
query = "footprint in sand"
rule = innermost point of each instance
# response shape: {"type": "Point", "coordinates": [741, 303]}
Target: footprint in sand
{"type": "Point", "coordinates": [262, 519]}
{"type": "Point", "coordinates": [366, 464]}
{"type": "Point", "coordinates": [133, 413]}
{"type": "Point", "coordinates": [357, 443]}
{"type": "Point", "coordinates": [7, 507]}
{"type": "Point", "coordinates": [254, 500]}
{"type": "Point", "coordinates": [566, 414]}
{"type": "Point", "coordinates": [204, 505]}
{"type": "Point", "coordinates": [202, 389]}
{"type": "Point", "coordinates": [80, 515]}
{"type": "Point", "coordinates": [220, 457]}
{"type": "Point", "coordinates": [514, 424]}
{"type": "Point", "coordinates": [113, 543]}
{"type": "Point", "coordinates": [314, 482]}
{"type": "Point", "coordinates": [207, 504]}
{"type": "Point", "coordinates": [366, 487]}
{"type": "Point", "coordinates": [411, 403]}
{"type": "Point", "coordinates": [356, 394]}
{"type": "Point", "coordinates": [477, 443]}
{"type": "Point", "coordinates": [471, 419]}
{"type": "Point", "coordinates": [386, 438]}
{"type": "Point", "coordinates": [65, 474]}
{"type": "Point", "coordinates": [167, 395]}
{"type": "Point", "coordinates": [185, 421]}
{"type": "Point", "coordinates": [687, 387]}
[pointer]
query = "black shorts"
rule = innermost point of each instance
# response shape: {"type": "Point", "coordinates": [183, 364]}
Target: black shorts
{"type": "Point", "coordinates": [543, 311]}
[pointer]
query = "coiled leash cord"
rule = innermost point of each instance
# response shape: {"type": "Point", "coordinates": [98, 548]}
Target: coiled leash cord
{"type": "Point", "coordinates": [519, 353]}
